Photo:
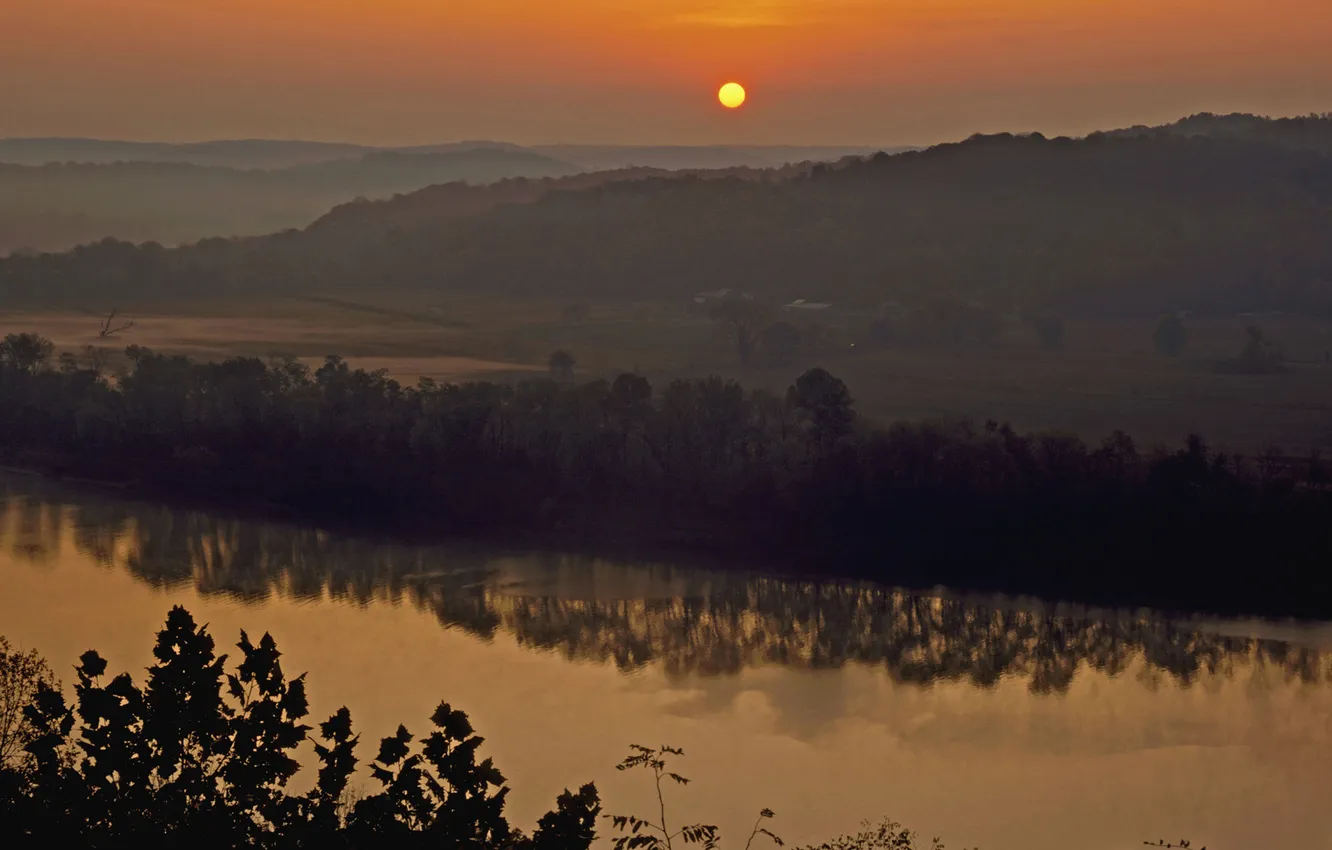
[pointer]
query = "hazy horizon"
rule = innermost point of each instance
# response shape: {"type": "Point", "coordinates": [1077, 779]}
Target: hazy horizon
{"type": "Point", "coordinates": [835, 72]}
{"type": "Point", "coordinates": [443, 143]}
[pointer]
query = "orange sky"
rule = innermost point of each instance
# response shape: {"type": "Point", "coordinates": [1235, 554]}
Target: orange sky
{"type": "Point", "coordinates": [637, 71]}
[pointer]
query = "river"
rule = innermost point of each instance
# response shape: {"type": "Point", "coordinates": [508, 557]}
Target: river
{"type": "Point", "coordinates": [998, 724]}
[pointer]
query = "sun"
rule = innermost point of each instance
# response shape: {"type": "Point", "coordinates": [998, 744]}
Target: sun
{"type": "Point", "coordinates": [732, 95]}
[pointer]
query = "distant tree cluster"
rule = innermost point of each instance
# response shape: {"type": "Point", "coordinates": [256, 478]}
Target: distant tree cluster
{"type": "Point", "coordinates": [702, 462]}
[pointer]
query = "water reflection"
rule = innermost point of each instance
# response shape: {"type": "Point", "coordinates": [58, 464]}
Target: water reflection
{"type": "Point", "coordinates": [691, 622]}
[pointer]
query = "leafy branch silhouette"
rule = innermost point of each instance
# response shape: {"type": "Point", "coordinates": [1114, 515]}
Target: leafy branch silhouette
{"type": "Point", "coordinates": [639, 833]}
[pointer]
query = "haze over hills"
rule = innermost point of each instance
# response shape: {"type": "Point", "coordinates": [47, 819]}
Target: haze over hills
{"type": "Point", "coordinates": [59, 205]}
{"type": "Point", "coordinates": [272, 154]}
{"type": "Point", "coordinates": [682, 157]}
{"type": "Point", "coordinates": [1112, 223]}
{"type": "Point", "coordinates": [58, 193]}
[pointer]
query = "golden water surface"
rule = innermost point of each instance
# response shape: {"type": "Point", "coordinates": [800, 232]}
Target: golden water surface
{"type": "Point", "coordinates": [1003, 726]}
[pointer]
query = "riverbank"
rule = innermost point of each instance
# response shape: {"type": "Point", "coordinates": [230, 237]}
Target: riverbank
{"type": "Point", "coordinates": [629, 541]}
{"type": "Point", "coordinates": [796, 484]}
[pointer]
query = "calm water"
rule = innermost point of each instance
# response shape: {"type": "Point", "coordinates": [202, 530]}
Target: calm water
{"type": "Point", "coordinates": [1006, 727]}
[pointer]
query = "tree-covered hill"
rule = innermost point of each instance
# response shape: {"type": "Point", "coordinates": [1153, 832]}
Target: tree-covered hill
{"type": "Point", "coordinates": [1304, 132]}
{"type": "Point", "coordinates": [1106, 224]}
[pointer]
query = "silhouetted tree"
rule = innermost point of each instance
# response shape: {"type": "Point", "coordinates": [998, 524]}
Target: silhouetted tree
{"type": "Point", "coordinates": [562, 365]}
{"type": "Point", "coordinates": [25, 351]}
{"type": "Point", "coordinates": [825, 404]}
{"type": "Point", "coordinates": [573, 823]}
{"type": "Point", "coordinates": [744, 316]}
{"type": "Point", "coordinates": [441, 789]}
{"type": "Point", "coordinates": [22, 675]}
{"type": "Point", "coordinates": [203, 757]}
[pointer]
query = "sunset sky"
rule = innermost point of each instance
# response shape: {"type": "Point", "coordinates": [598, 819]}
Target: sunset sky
{"type": "Point", "coordinates": [646, 71]}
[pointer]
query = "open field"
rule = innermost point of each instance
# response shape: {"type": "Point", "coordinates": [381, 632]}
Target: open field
{"type": "Point", "coordinates": [1106, 377]}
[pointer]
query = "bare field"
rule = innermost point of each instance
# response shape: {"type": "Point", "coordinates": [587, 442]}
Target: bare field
{"type": "Point", "coordinates": [1106, 377]}
{"type": "Point", "coordinates": [408, 349]}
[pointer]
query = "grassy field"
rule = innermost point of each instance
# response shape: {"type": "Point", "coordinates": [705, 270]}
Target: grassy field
{"type": "Point", "coordinates": [1107, 375]}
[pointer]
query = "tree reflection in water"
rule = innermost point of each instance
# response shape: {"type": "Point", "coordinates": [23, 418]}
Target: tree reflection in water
{"type": "Point", "coordinates": [690, 621]}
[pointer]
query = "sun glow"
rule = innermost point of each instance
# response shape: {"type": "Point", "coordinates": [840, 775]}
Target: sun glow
{"type": "Point", "coordinates": [732, 95]}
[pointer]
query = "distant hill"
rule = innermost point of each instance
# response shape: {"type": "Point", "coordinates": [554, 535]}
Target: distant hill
{"type": "Point", "coordinates": [267, 154]}
{"type": "Point", "coordinates": [59, 205]}
{"type": "Point", "coordinates": [242, 153]}
{"type": "Point", "coordinates": [367, 222]}
{"type": "Point", "coordinates": [1308, 132]}
{"type": "Point", "coordinates": [683, 157]}
{"type": "Point", "coordinates": [58, 193]}
{"type": "Point", "coordinates": [1131, 223]}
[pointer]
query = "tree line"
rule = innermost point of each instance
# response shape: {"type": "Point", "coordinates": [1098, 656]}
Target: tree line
{"type": "Point", "coordinates": [1133, 224]}
{"type": "Point", "coordinates": [795, 478]}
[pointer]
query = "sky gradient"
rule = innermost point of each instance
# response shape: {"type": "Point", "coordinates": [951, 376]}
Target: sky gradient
{"type": "Point", "coordinates": [646, 71]}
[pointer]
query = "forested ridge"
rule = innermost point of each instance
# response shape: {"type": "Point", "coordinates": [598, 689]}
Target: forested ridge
{"type": "Point", "coordinates": [797, 481]}
{"type": "Point", "coordinates": [1132, 224]}
{"type": "Point", "coordinates": [1300, 132]}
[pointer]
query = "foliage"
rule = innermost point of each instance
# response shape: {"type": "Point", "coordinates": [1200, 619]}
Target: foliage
{"type": "Point", "coordinates": [573, 823]}
{"type": "Point", "coordinates": [561, 365]}
{"type": "Point", "coordinates": [643, 833]}
{"type": "Point", "coordinates": [797, 477]}
{"type": "Point", "coordinates": [1170, 336]}
{"type": "Point", "coordinates": [202, 756]}
{"type": "Point", "coordinates": [199, 756]}
{"type": "Point", "coordinates": [824, 403]}
{"type": "Point", "coordinates": [22, 675]}
{"type": "Point", "coordinates": [440, 790]}
{"type": "Point", "coordinates": [744, 317]}
{"type": "Point", "coordinates": [885, 835]}
{"type": "Point", "coordinates": [25, 351]}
